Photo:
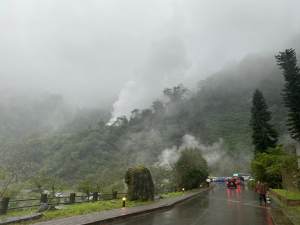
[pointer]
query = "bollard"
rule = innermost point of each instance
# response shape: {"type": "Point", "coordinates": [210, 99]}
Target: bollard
{"type": "Point", "coordinates": [72, 198]}
{"type": "Point", "coordinates": [43, 198]}
{"type": "Point", "coordinates": [4, 205]}
{"type": "Point", "coordinates": [268, 199]}
{"type": "Point", "coordinates": [124, 200]}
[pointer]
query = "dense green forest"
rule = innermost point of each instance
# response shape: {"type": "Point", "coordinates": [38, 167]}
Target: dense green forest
{"type": "Point", "coordinates": [74, 143]}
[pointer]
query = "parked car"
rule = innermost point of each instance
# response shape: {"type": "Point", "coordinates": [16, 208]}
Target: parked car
{"type": "Point", "coordinates": [223, 179]}
{"type": "Point", "coordinates": [251, 178]}
{"type": "Point", "coordinates": [58, 194]}
{"type": "Point", "coordinates": [47, 192]}
{"type": "Point", "coordinates": [219, 179]}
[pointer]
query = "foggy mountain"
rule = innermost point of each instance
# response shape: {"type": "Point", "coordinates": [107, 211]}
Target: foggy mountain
{"type": "Point", "coordinates": [49, 115]}
{"type": "Point", "coordinates": [214, 118]}
{"type": "Point", "coordinates": [64, 64]}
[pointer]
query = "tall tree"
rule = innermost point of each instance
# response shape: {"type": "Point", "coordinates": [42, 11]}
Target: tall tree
{"type": "Point", "coordinates": [264, 135]}
{"type": "Point", "coordinates": [291, 97]}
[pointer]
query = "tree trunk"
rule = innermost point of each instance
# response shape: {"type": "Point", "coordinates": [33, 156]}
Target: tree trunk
{"type": "Point", "coordinates": [298, 152]}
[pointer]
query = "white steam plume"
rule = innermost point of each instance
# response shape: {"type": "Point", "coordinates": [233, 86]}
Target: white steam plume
{"type": "Point", "coordinates": [212, 153]}
{"type": "Point", "coordinates": [167, 65]}
{"type": "Point", "coordinates": [128, 97]}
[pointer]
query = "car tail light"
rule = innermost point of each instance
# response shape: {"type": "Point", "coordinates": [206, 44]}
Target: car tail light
{"type": "Point", "coordinates": [235, 182]}
{"type": "Point", "coordinates": [239, 181]}
{"type": "Point", "coordinates": [226, 182]}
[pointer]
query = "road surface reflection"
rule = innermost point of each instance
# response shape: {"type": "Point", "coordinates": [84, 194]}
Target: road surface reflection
{"type": "Point", "coordinates": [218, 206]}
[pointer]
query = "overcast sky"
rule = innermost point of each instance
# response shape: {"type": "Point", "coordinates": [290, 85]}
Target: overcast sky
{"type": "Point", "coordinates": [96, 53]}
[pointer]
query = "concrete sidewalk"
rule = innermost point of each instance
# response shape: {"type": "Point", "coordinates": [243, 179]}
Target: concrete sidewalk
{"type": "Point", "coordinates": [106, 217]}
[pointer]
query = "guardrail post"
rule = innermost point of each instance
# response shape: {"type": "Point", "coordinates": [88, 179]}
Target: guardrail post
{"type": "Point", "coordinates": [44, 198]}
{"type": "Point", "coordinates": [4, 205]}
{"type": "Point", "coordinates": [115, 193]}
{"type": "Point", "coordinates": [166, 190]}
{"type": "Point", "coordinates": [95, 196]}
{"type": "Point", "coordinates": [161, 190]}
{"type": "Point", "coordinates": [72, 198]}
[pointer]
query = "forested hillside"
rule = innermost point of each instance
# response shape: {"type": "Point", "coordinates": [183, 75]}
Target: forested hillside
{"type": "Point", "coordinates": [219, 108]}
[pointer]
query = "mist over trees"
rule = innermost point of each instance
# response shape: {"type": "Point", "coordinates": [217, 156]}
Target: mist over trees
{"type": "Point", "coordinates": [48, 115]}
{"type": "Point", "coordinates": [80, 147]}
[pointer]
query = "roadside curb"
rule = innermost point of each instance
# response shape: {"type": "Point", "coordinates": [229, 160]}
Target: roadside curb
{"type": "Point", "coordinates": [155, 210]}
{"type": "Point", "coordinates": [126, 213]}
{"type": "Point", "coordinates": [147, 212]}
{"type": "Point", "coordinates": [276, 212]}
{"type": "Point", "coordinates": [278, 217]}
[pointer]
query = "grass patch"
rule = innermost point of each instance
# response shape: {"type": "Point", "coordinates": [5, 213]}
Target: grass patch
{"type": "Point", "coordinates": [290, 195]}
{"type": "Point", "coordinates": [82, 209]}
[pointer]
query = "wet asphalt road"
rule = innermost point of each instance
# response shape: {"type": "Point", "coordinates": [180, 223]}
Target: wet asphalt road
{"type": "Point", "coordinates": [219, 206]}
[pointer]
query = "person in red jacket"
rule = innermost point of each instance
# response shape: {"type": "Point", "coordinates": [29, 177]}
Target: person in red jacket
{"type": "Point", "coordinates": [262, 192]}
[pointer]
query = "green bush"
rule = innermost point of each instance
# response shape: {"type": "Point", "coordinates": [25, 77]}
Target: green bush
{"type": "Point", "coordinates": [252, 183]}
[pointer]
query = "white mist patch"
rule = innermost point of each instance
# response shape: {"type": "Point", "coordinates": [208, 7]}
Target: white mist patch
{"type": "Point", "coordinates": [168, 156]}
{"type": "Point", "coordinates": [212, 154]}
{"type": "Point", "coordinates": [128, 96]}
{"type": "Point", "coordinates": [166, 65]}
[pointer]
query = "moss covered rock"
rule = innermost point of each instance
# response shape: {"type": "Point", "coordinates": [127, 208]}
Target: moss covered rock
{"type": "Point", "coordinates": [140, 184]}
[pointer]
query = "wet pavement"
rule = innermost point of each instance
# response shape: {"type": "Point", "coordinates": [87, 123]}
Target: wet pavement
{"type": "Point", "coordinates": [218, 206]}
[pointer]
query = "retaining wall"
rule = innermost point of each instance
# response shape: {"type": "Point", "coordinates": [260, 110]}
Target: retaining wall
{"type": "Point", "coordinates": [286, 202]}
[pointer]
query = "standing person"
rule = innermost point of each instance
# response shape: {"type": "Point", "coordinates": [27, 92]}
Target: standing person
{"type": "Point", "coordinates": [208, 181]}
{"type": "Point", "coordinates": [262, 192]}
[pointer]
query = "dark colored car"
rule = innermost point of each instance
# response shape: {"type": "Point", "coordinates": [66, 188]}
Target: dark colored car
{"type": "Point", "coordinates": [231, 183]}
{"type": "Point", "coordinates": [239, 180]}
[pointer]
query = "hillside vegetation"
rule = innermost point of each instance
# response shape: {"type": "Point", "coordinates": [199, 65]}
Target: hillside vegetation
{"type": "Point", "coordinates": [80, 144]}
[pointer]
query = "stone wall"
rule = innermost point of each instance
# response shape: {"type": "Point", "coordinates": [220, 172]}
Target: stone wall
{"type": "Point", "coordinates": [283, 200]}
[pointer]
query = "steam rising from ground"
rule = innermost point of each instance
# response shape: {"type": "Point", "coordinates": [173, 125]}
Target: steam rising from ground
{"type": "Point", "coordinates": [167, 65]}
{"type": "Point", "coordinates": [219, 162]}
{"type": "Point", "coordinates": [129, 96]}
{"type": "Point", "coordinates": [212, 153]}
